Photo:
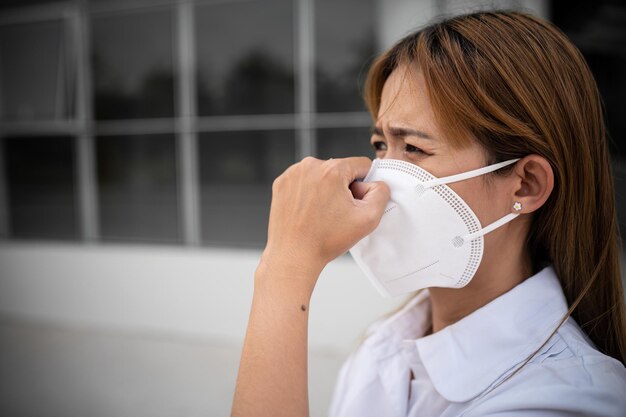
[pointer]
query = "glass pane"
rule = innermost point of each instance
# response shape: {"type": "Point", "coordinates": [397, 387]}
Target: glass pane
{"type": "Point", "coordinates": [132, 65]}
{"type": "Point", "coordinates": [33, 72]}
{"type": "Point", "coordinates": [236, 174]}
{"type": "Point", "coordinates": [345, 40]}
{"type": "Point", "coordinates": [137, 187]}
{"type": "Point", "coordinates": [245, 57]}
{"type": "Point", "coordinates": [41, 184]}
{"type": "Point", "coordinates": [344, 142]}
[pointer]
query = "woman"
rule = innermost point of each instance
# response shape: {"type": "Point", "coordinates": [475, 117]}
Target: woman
{"type": "Point", "coordinates": [535, 324]}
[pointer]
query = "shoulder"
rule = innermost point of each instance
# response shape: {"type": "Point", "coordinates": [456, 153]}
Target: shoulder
{"type": "Point", "coordinates": [567, 377]}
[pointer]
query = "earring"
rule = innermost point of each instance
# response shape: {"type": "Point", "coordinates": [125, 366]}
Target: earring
{"type": "Point", "coordinates": [517, 206]}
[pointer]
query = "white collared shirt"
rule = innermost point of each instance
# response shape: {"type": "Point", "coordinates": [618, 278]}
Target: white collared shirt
{"type": "Point", "coordinates": [462, 369]}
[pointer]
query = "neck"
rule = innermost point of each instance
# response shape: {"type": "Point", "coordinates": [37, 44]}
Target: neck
{"type": "Point", "coordinates": [493, 278]}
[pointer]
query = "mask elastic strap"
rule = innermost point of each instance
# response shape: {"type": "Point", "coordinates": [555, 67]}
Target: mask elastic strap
{"type": "Point", "coordinates": [460, 240]}
{"type": "Point", "coordinates": [463, 176]}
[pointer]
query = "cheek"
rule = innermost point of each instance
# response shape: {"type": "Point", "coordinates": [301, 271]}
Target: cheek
{"type": "Point", "coordinates": [481, 199]}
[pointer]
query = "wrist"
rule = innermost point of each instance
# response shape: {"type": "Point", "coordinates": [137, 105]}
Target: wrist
{"type": "Point", "coordinates": [287, 274]}
{"type": "Point", "coordinates": [291, 261]}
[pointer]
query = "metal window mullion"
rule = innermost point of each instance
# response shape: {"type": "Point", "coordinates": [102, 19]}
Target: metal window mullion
{"type": "Point", "coordinates": [87, 184]}
{"type": "Point", "coordinates": [246, 122]}
{"type": "Point", "coordinates": [304, 51]}
{"type": "Point", "coordinates": [40, 128]}
{"type": "Point", "coordinates": [136, 127]}
{"type": "Point", "coordinates": [4, 203]}
{"type": "Point", "coordinates": [187, 136]}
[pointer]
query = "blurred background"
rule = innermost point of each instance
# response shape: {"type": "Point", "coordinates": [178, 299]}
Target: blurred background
{"type": "Point", "coordinates": [138, 143]}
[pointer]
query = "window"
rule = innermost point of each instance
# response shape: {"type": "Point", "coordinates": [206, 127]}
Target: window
{"type": "Point", "coordinates": [36, 79]}
{"type": "Point", "coordinates": [236, 175]}
{"type": "Point", "coordinates": [132, 65]}
{"type": "Point", "coordinates": [249, 71]}
{"type": "Point", "coordinates": [41, 187]}
{"type": "Point", "coordinates": [167, 121]}
{"type": "Point", "coordinates": [137, 188]}
{"type": "Point", "coordinates": [343, 52]}
{"type": "Point", "coordinates": [245, 57]}
{"type": "Point", "coordinates": [38, 194]}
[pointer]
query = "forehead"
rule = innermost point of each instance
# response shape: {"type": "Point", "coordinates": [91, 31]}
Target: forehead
{"type": "Point", "coordinates": [405, 101]}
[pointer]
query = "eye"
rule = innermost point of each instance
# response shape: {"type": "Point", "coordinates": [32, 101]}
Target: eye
{"type": "Point", "coordinates": [379, 146]}
{"type": "Point", "coordinates": [414, 149]}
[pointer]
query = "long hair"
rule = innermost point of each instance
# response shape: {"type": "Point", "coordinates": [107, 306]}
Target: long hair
{"type": "Point", "coordinates": [518, 86]}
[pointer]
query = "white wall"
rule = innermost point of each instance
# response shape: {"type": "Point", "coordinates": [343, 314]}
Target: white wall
{"type": "Point", "coordinates": [202, 293]}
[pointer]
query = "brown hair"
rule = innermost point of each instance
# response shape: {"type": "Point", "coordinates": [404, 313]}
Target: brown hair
{"type": "Point", "coordinates": [518, 86]}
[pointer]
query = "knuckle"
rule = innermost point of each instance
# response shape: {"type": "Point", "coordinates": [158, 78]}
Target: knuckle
{"type": "Point", "coordinates": [384, 189]}
{"type": "Point", "coordinates": [309, 161]}
{"type": "Point", "coordinates": [371, 219]}
{"type": "Point", "coordinates": [276, 184]}
{"type": "Point", "coordinates": [331, 168]}
{"type": "Point", "coordinates": [332, 162]}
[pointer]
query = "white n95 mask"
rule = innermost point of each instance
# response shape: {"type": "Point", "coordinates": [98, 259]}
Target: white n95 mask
{"type": "Point", "coordinates": [428, 236]}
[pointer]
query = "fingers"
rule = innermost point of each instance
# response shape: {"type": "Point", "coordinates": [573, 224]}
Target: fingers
{"type": "Point", "coordinates": [373, 200]}
{"type": "Point", "coordinates": [359, 189]}
{"type": "Point", "coordinates": [357, 167]}
{"type": "Point", "coordinates": [376, 194]}
{"type": "Point", "coordinates": [349, 169]}
{"type": "Point", "coordinates": [370, 191]}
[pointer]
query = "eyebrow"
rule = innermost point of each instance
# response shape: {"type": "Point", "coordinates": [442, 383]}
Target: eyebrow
{"type": "Point", "coordinates": [402, 132]}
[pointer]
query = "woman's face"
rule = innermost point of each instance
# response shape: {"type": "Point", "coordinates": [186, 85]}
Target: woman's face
{"type": "Point", "coordinates": [406, 129]}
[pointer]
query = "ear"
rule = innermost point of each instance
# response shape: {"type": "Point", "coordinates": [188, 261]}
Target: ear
{"type": "Point", "coordinates": [534, 183]}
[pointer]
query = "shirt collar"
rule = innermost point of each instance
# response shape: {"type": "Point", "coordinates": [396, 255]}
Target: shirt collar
{"type": "Point", "coordinates": [385, 341]}
{"type": "Point", "coordinates": [467, 357]}
{"type": "Point", "coordinates": [386, 336]}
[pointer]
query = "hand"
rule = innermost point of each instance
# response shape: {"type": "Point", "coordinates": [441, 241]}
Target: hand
{"type": "Point", "coordinates": [318, 212]}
